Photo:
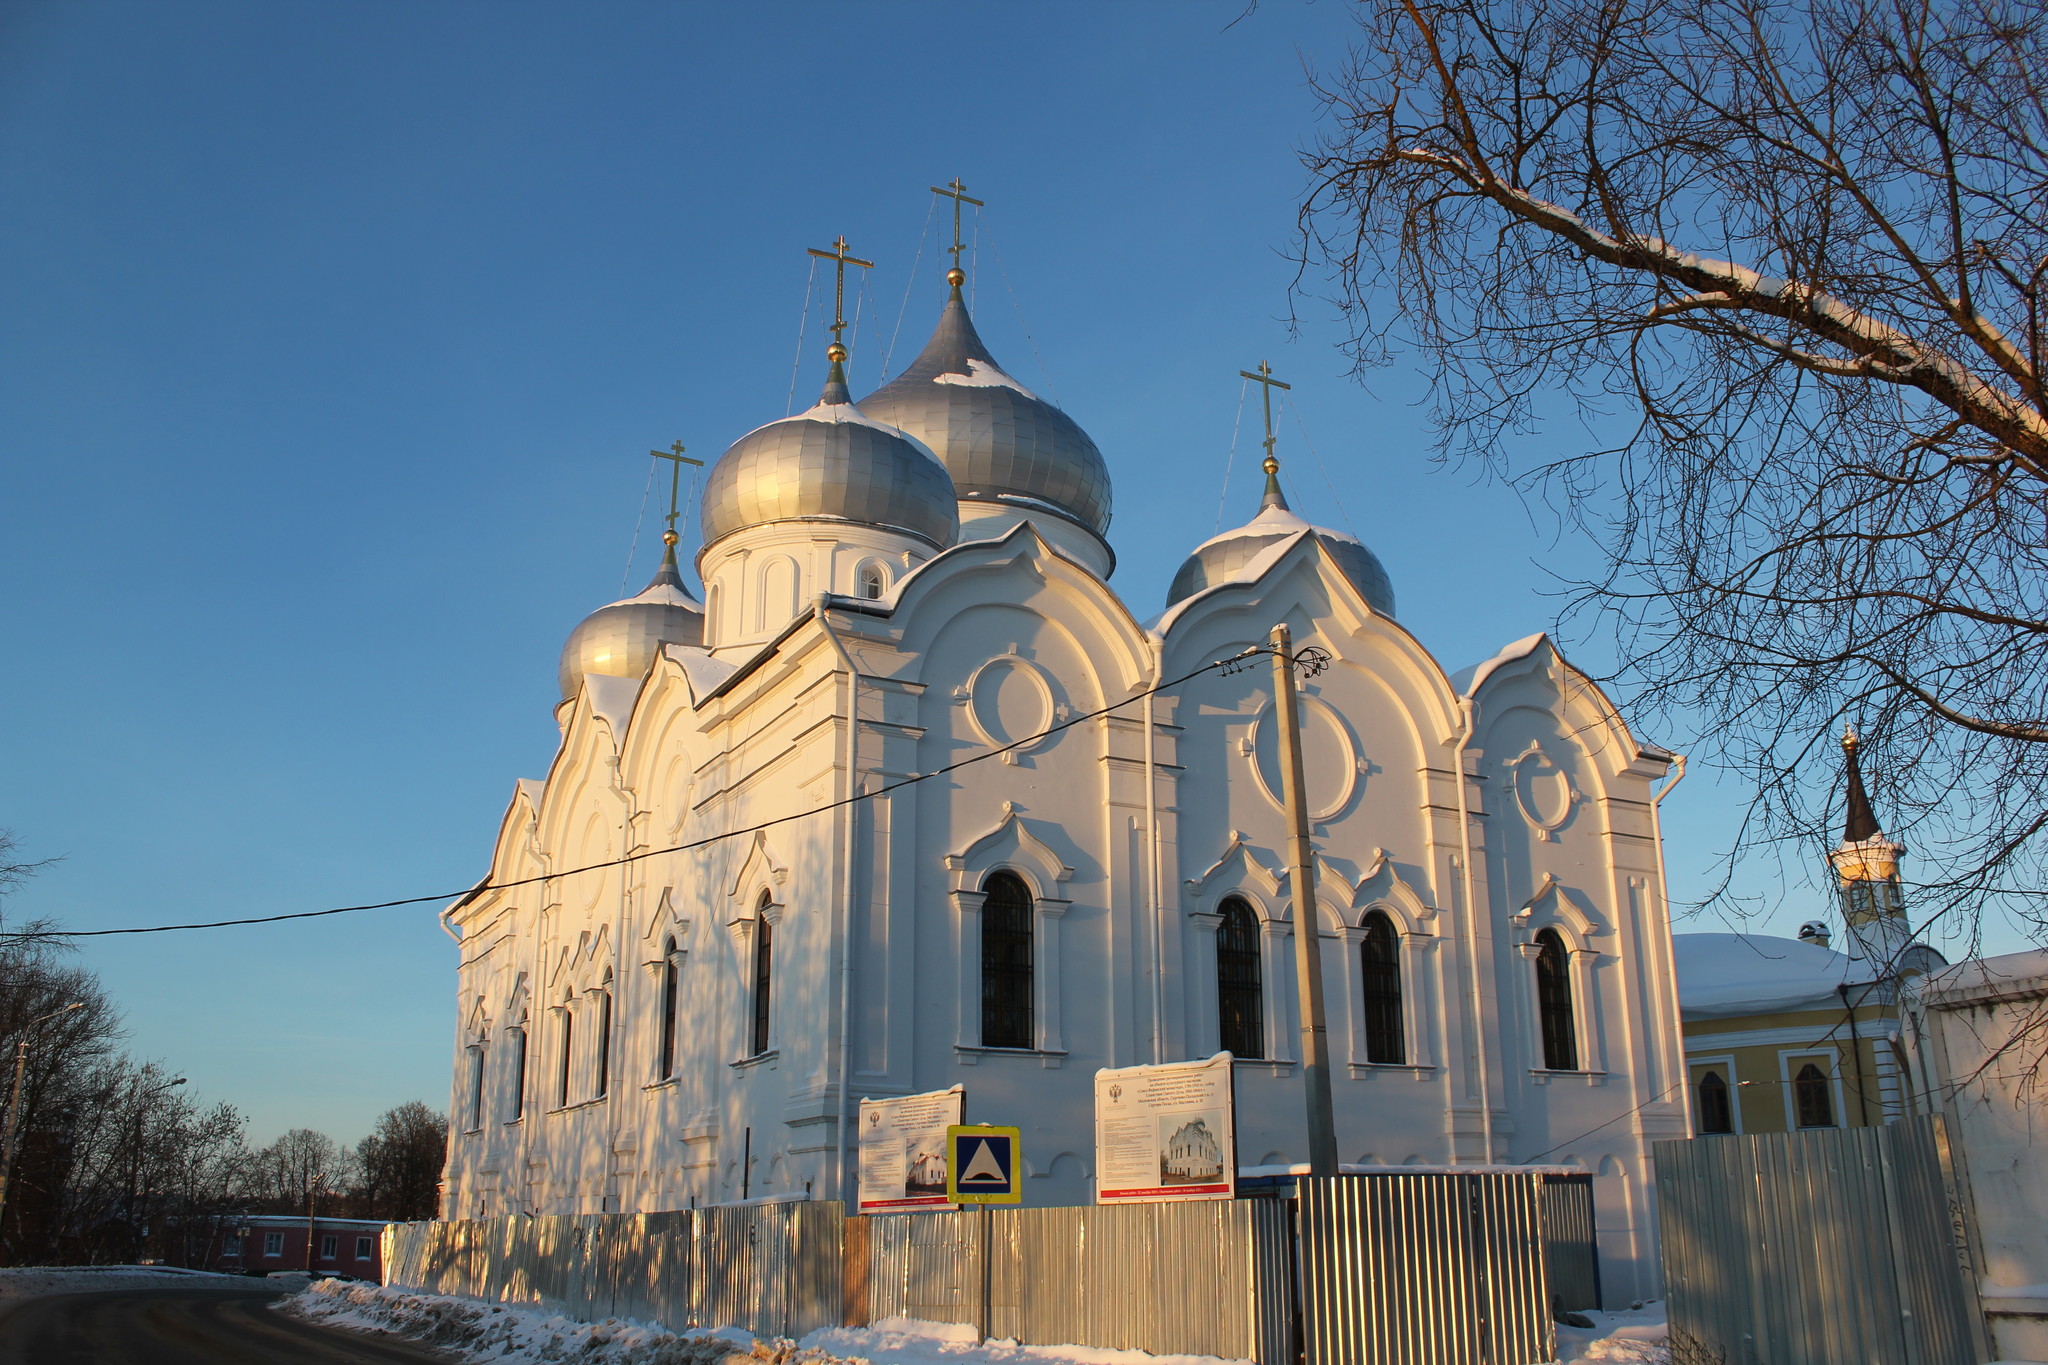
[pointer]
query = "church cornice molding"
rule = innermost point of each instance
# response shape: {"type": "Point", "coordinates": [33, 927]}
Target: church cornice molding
{"type": "Point", "coordinates": [1010, 846]}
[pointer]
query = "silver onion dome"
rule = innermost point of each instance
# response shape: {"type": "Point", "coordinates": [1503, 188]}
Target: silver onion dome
{"type": "Point", "coordinates": [622, 639]}
{"type": "Point", "coordinates": [832, 463]}
{"type": "Point", "coordinates": [998, 440]}
{"type": "Point", "coordinates": [1225, 558]}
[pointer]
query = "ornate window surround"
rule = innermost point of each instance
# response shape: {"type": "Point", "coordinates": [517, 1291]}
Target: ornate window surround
{"type": "Point", "coordinates": [1010, 847]}
{"type": "Point", "coordinates": [1556, 908]}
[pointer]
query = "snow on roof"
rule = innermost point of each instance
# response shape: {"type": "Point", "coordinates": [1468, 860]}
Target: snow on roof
{"type": "Point", "coordinates": [531, 788]}
{"type": "Point", "coordinates": [1723, 975]}
{"type": "Point", "coordinates": [1468, 681]}
{"type": "Point", "coordinates": [611, 700]}
{"type": "Point", "coordinates": [705, 673]}
{"type": "Point", "coordinates": [1254, 569]}
{"type": "Point", "coordinates": [982, 375]}
{"type": "Point", "coordinates": [662, 594]}
{"type": "Point", "coordinates": [843, 414]}
{"type": "Point", "coordinates": [1984, 980]}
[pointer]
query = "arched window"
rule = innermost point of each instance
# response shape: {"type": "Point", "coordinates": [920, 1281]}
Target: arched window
{"type": "Point", "coordinates": [668, 1010]}
{"type": "Point", "coordinates": [1814, 1098]}
{"type": "Point", "coordinates": [474, 1118]}
{"type": "Point", "coordinates": [1240, 1003]}
{"type": "Point", "coordinates": [1716, 1115]}
{"type": "Point", "coordinates": [604, 1038]}
{"type": "Point", "coordinates": [568, 1047]}
{"type": "Point", "coordinates": [871, 581]}
{"type": "Point", "coordinates": [1380, 958]}
{"type": "Point", "coordinates": [764, 975]}
{"type": "Point", "coordinates": [1554, 1003]}
{"type": "Point", "coordinates": [519, 1072]}
{"type": "Point", "coordinates": [1006, 962]}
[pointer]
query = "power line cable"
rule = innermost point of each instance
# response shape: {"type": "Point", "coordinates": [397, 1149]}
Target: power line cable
{"type": "Point", "coordinates": [1231, 460]}
{"type": "Point", "coordinates": [1018, 309]}
{"type": "Point", "coordinates": [798, 363]}
{"type": "Point", "coordinates": [633, 550]}
{"type": "Point", "coordinates": [706, 841]}
{"type": "Point", "coordinates": [908, 284]}
{"type": "Point", "coordinates": [1327, 483]}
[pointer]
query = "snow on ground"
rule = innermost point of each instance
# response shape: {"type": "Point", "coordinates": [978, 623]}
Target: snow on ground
{"type": "Point", "coordinates": [34, 1281]}
{"type": "Point", "coordinates": [501, 1334]}
{"type": "Point", "coordinates": [1630, 1337]}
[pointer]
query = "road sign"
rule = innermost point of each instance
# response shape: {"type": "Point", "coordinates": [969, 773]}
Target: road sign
{"type": "Point", "coordinates": [984, 1164]}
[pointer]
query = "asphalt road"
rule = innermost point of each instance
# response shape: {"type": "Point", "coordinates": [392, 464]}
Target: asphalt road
{"type": "Point", "coordinates": [209, 1326]}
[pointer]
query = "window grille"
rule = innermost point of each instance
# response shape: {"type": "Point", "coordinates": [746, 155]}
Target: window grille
{"type": "Point", "coordinates": [764, 976]}
{"type": "Point", "coordinates": [568, 1046]}
{"type": "Point", "coordinates": [519, 1072]}
{"type": "Point", "coordinates": [1554, 1003]}
{"type": "Point", "coordinates": [1006, 962]}
{"type": "Point", "coordinates": [475, 1117]}
{"type": "Point", "coordinates": [329, 1245]}
{"type": "Point", "coordinates": [872, 582]}
{"type": "Point", "coordinates": [604, 1039]}
{"type": "Point", "coordinates": [273, 1244]}
{"type": "Point", "coordinates": [1813, 1097]}
{"type": "Point", "coordinates": [1716, 1114]}
{"type": "Point", "coordinates": [1380, 960]}
{"type": "Point", "coordinates": [668, 1009]}
{"type": "Point", "coordinates": [1240, 990]}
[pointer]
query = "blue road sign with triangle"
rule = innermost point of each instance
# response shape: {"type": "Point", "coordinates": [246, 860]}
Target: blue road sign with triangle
{"type": "Point", "coordinates": [983, 1164]}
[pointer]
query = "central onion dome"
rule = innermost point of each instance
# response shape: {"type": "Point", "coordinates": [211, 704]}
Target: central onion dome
{"type": "Point", "coordinates": [621, 640]}
{"type": "Point", "coordinates": [1000, 441]}
{"type": "Point", "coordinates": [1225, 558]}
{"type": "Point", "coordinates": [832, 463]}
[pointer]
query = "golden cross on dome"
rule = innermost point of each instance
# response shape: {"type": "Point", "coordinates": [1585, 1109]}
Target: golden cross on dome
{"type": "Point", "coordinates": [956, 190]}
{"type": "Point", "coordinates": [837, 255]}
{"type": "Point", "coordinates": [1265, 377]}
{"type": "Point", "coordinates": [677, 459]}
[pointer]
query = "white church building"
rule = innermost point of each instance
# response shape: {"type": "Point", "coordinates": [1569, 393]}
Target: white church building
{"type": "Point", "coordinates": [729, 912]}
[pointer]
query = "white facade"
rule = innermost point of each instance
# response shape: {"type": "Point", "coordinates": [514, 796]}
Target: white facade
{"type": "Point", "coordinates": [1474, 813]}
{"type": "Point", "coordinates": [1973, 1034]}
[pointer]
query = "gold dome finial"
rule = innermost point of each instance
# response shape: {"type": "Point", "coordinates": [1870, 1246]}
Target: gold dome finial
{"type": "Point", "coordinates": [674, 455]}
{"type": "Point", "coordinates": [1849, 741]}
{"type": "Point", "coordinates": [1274, 497]}
{"type": "Point", "coordinates": [956, 190]}
{"type": "Point", "coordinates": [836, 353]}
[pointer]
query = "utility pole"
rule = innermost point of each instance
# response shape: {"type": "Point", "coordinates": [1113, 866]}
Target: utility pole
{"type": "Point", "coordinates": [14, 1099]}
{"type": "Point", "coordinates": [1308, 954]}
{"type": "Point", "coordinates": [312, 1194]}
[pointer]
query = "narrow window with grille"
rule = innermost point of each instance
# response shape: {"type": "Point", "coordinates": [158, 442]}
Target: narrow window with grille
{"type": "Point", "coordinates": [1240, 989]}
{"type": "Point", "coordinates": [1554, 1003]}
{"type": "Point", "coordinates": [1006, 963]}
{"type": "Point", "coordinates": [1813, 1095]}
{"type": "Point", "coordinates": [1386, 1038]}
{"type": "Point", "coordinates": [568, 1047]}
{"type": "Point", "coordinates": [1716, 1113]}
{"type": "Point", "coordinates": [764, 973]}
{"type": "Point", "coordinates": [604, 1039]}
{"type": "Point", "coordinates": [518, 1073]}
{"type": "Point", "coordinates": [668, 1010]}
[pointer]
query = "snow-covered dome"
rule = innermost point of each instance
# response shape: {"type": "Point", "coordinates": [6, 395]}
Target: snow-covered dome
{"type": "Point", "coordinates": [1225, 558]}
{"type": "Point", "coordinates": [1000, 441]}
{"type": "Point", "coordinates": [832, 463]}
{"type": "Point", "coordinates": [621, 640]}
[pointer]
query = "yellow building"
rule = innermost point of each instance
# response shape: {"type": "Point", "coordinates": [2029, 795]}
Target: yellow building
{"type": "Point", "coordinates": [1788, 1033]}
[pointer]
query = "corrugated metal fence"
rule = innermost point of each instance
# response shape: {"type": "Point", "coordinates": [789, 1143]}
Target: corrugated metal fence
{"type": "Point", "coordinates": [1827, 1247]}
{"type": "Point", "coordinates": [1432, 1269]}
{"type": "Point", "coordinates": [773, 1269]}
{"type": "Point", "coordinates": [1424, 1270]}
{"type": "Point", "coordinates": [1210, 1278]}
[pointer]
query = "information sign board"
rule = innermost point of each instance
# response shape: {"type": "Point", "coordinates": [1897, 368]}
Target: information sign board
{"type": "Point", "coordinates": [984, 1164]}
{"type": "Point", "coordinates": [903, 1150]}
{"type": "Point", "coordinates": [1164, 1134]}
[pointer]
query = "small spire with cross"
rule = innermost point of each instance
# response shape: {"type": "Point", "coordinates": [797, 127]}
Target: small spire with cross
{"type": "Point", "coordinates": [956, 190]}
{"type": "Point", "coordinates": [840, 260]}
{"type": "Point", "coordinates": [674, 454]}
{"type": "Point", "coordinates": [1273, 497]}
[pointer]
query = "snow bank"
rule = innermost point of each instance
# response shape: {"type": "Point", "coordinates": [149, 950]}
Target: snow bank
{"type": "Point", "coordinates": [500, 1334]}
{"type": "Point", "coordinates": [516, 1335]}
{"type": "Point", "coordinates": [906, 1341]}
{"type": "Point", "coordinates": [1633, 1337]}
{"type": "Point", "coordinates": [35, 1281]}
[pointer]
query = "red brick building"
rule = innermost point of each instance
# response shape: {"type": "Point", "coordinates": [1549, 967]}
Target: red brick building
{"type": "Point", "coordinates": [262, 1242]}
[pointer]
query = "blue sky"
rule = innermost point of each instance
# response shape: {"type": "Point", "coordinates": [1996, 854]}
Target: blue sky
{"type": "Point", "coordinates": [335, 336]}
